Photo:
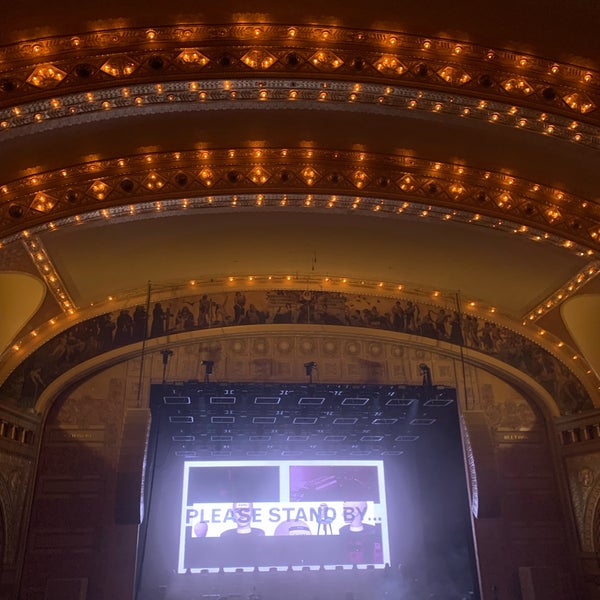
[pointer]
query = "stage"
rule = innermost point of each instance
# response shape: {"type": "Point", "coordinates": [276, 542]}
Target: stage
{"type": "Point", "coordinates": [305, 492]}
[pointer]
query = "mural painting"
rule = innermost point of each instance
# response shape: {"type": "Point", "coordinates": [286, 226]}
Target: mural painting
{"type": "Point", "coordinates": [227, 309]}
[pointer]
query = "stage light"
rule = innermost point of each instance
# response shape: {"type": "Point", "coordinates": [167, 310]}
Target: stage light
{"type": "Point", "coordinates": [426, 372]}
{"type": "Point", "coordinates": [166, 354]}
{"type": "Point", "coordinates": [208, 369]}
{"type": "Point", "coordinates": [309, 367]}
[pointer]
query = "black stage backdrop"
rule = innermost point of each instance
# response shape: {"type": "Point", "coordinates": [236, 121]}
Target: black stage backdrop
{"type": "Point", "coordinates": [305, 491]}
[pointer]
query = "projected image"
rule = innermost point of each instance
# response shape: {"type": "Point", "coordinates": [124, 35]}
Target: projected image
{"type": "Point", "coordinates": [283, 514]}
{"type": "Point", "coordinates": [334, 482]}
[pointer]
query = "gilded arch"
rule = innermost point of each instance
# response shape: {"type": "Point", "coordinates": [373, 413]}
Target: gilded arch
{"type": "Point", "coordinates": [517, 369]}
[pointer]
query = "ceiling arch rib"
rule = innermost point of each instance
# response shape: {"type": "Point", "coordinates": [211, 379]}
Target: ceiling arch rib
{"type": "Point", "coordinates": [330, 179]}
{"type": "Point", "coordinates": [40, 68]}
{"type": "Point", "coordinates": [298, 179]}
{"type": "Point", "coordinates": [290, 93]}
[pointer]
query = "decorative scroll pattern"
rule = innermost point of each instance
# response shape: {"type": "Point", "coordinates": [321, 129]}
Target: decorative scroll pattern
{"type": "Point", "coordinates": [584, 483]}
{"type": "Point", "coordinates": [15, 475]}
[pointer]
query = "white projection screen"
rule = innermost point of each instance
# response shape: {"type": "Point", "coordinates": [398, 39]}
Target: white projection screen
{"type": "Point", "coordinates": [281, 514]}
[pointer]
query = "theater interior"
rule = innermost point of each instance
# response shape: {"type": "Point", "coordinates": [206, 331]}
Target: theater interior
{"type": "Point", "coordinates": [327, 267]}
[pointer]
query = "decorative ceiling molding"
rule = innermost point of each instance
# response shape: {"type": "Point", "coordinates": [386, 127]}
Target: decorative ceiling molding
{"type": "Point", "coordinates": [567, 290]}
{"type": "Point", "coordinates": [300, 179]}
{"type": "Point", "coordinates": [44, 68]}
{"type": "Point", "coordinates": [39, 256]}
{"type": "Point", "coordinates": [51, 83]}
{"type": "Point", "coordinates": [301, 93]}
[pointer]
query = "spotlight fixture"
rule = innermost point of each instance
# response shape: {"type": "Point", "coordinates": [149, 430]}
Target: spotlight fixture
{"type": "Point", "coordinates": [426, 372]}
{"type": "Point", "coordinates": [166, 354]}
{"type": "Point", "coordinates": [208, 369]}
{"type": "Point", "coordinates": [309, 367]}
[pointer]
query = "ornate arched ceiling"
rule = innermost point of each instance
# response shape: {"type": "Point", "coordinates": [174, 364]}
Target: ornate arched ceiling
{"type": "Point", "coordinates": [397, 151]}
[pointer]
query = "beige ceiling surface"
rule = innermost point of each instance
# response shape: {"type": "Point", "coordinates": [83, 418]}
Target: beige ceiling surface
{"type": "Point", "coordinates": [501, 269]}
{"type": "Point", "coordinates": [21, 294]}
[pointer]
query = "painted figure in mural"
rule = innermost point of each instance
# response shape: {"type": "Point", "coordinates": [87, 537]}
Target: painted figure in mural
{"type": "Point", "coordinates": [411, 312]}
{"type": "Point", "coordinates": [486, 337]}
{"type": "Point", "coordinates": [218, 315]}
{"type": "Point", "coordinates": [440, 324]}
{"type": "Point", "coordinates": [428, 326]}
{"type": "Point", "coordinates": [471, 331]}
{"type": "Point", "coordinates": [168, 319]}
{"type": "Point", "coordinates": [305, 311]}
{"type": "Point", "coordinates": [105, 333]}
{"type": "Point", "coordinates": [185, 319]}
{"type": "Point", "coordinates": [239, 308]}
{"type": "Point", "coordinates": [124, 332]}
{"type": "Point", "coordinates": [376, 319]}
{"type": "Point", "coordinates": [140, 320]}
{"type": "Point", "coordinates": [283, 316]}
{"type": "Point", "coordinates": [74, 349]}
{"type": "Point", "coordinates": [252, 316]}
{"type": "Point", "coordinates": [327, 318]}
{"type": "Point", "coordinates": [204, 312]}
{"type": "Point", "coordinates": [398, 317]}
{"type": "Point", "coordinates": [59, 352]}
{"type": "Point", "coordinates": [90, 331]}
{"type": "Point", "coordinates": [158, 321]}
{"type": "Point", "coordinates": [456, 336]}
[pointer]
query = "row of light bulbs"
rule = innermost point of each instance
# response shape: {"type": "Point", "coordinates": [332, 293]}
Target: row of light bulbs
{"type": "Point", "coordinates": [564, 292]}
{"type": "Point", "coordinates": [558, 202]}
{"type": "Point", "coordinates": [388, 97]}
{"type": "Point", "coordinates": [99, 189]}
{"type": "Point", "coordinates": [267, 33]}
{"type": "Point", "coordinates": [47, 76]}
{"type": "Point", "coordinates": [46, 269]}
